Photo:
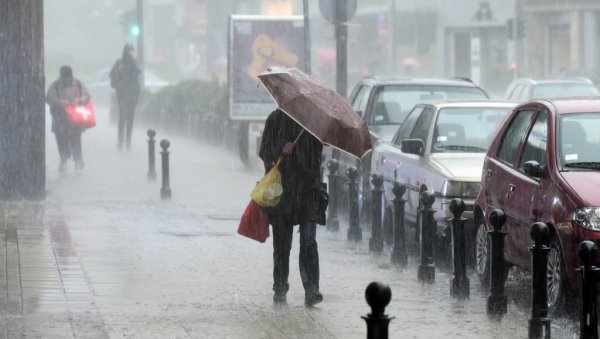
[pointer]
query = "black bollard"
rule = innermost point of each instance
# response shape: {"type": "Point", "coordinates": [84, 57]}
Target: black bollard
{"type": "Point", "coordinates": [426, 271]}
{"type": "Point", "coordinates": [588, 322]}
{"type": "Point", "coordinates": [151, 161]}
{"type": "Point", "coordinates": [354, 230]}
{"type": "Point", "coordinates": [497, 301]}
{"type": "Point", "coordinates": [376, 241]}
{"type": "Point", "coordinates": [399, 256]}
{"type": "Point", "coordinates": [378, 296]}
{"type": "Point", "coordinates": [165, 190]}
{"type": "Point", "coordinates": [333, 223]}
{"type": "Point", "coordinates": [539, 323]}
{"type": "Point", "coordinates": [460, 283]}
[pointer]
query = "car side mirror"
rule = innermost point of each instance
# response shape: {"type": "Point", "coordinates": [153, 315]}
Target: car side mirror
{"type": "Point", "coordinates": [413, 146]}
{"type": "Point", "coordinates": [533, 169]}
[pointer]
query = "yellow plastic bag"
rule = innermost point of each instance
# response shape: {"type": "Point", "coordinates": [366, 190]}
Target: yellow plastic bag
{"type": "Point", "coordinates": [268, 191]}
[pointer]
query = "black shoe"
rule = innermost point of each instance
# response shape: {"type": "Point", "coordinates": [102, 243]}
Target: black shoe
{"type": "Point", "coordinates": [312, 298]}
{"type": "Point", "coordinates": [62, 168]}
{"type": "Point", "coordinates": [279, 297]}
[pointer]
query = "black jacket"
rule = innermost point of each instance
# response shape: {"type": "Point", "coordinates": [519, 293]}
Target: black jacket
{"type": "Point", "coordinates": [300, 171]}
{"type": "Point", "coordinates": [125, 77]}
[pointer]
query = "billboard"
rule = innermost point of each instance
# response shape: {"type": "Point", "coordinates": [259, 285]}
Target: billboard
{"type": "Point", "coordinates": [255, 44]}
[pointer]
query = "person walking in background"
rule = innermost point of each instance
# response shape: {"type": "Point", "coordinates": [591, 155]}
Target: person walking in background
{"type": "Point", "coordinates": [125, 79]}
{"type": "Point", "coordinates": [299, 204]}
{"type": "Point", "coordinates": [67, 90]}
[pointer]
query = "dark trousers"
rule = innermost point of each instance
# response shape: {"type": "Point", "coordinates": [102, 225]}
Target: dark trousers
{"type": "Point", "coordinates": [126, 114]}
{"type": "Point", "coordinates": [69, 144]}
{"type": "Point", "coordinates": [309, 256]}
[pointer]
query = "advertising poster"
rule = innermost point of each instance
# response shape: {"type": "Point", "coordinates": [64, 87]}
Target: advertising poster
{"type": "Point", "coordinates": [257, 43]}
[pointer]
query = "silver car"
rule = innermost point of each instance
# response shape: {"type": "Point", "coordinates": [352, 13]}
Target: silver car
{"type": "Point", "coordinates": [439, 148]}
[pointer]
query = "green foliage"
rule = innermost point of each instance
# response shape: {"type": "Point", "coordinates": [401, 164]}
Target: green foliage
{"type": "Point", "coordinates": [186, 104]}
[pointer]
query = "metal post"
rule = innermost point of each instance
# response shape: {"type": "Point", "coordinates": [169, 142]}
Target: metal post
{"type": "Point", "coordinates": [399, 255]}
{"type": "Point", "coordinates": [165, 190]}
{"type": "Point", "coordinates": [139, 6]}
{"type": "Point", "coordinates": [333, 223]}
{"type": "Point", "coordinates": [306, 36]}
{"type": "Point", "coordinates": [588, 322]}
{"type": "Point", "coordinates": [151, 161]}
{"type": "Point", "coordinates": [378, 296]}
{"type": "Point", "coordinates": [497, 301]}
{"type": "Point", "coordinates": [426, 271]}
{"type": "Point", "coordinates": [376, 241]}
{"type": "Point", "coordinates": [354, 230]}
{"type": "Point", "coordinates": [539, 323]}
{"type": "Point", "coordinates": [460, 282]}
{"type": "Point", "coordinates": [341, 39]}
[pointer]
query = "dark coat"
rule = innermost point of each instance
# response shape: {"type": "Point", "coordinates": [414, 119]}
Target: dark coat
{"type": "Point", "coordinates": [125, 77]}
{"type": "Point", "coordinates": [300, 171]}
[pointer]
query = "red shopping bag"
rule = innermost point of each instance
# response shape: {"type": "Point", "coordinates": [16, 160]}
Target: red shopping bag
{"type": "Point", "coordinates": [81, 115]}
{"type": "Point", "coordinates": [254, 223]}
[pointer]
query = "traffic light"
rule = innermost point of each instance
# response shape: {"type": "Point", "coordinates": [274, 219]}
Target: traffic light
{"type": "Point", "coordinates": [129, 22]}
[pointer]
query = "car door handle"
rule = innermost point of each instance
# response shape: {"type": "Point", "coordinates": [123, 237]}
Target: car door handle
{"type": "Point", "coordinates": [489, 173]}
{"type": "Point", "coordinates": [511, 188]}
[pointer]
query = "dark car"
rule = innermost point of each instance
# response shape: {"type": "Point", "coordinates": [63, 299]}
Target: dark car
{"type": "Point", "coordinates": [544, 166]}
{"type": "Point", "coordinates": [383, 103]}
{"type": "Point", "coordinates": [528, 89]}
{"type": "Point", "coordinates": [439, 148]}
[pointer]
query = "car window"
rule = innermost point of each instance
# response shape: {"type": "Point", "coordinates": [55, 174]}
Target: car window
{"type": "Point", "coordinates": [535, 144]}
{"type": "Point", "coordinates": [359, 103]}
{"type": "Point", "coordinates": [563, 90]}
{"type": "Point", "coordinates": [421, 128]}
{"type": "Point", "coordinates": [513, 135]}
{"type": "Point", "coordinates": [393, 102]}
{"type": "Point", "coordinates": [515, 92]}
{"type": "Point", "coordinates": [466, 129]}
{"type": "Point", "coordinates": [579, 139]}
{"type": "Point", "coordinates": [408, 124]}
{"type": "Point", "coordinates": [524, 93]}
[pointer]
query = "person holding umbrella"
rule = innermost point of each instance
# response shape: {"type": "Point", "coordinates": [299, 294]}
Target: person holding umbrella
{"type": "Point", "coordinates": [299, 204]}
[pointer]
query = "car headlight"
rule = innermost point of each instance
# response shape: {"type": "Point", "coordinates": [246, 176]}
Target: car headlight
{"type": "Point", "coordinates": [587, 217]}
{"type": "Point", "coordinates": [461, 189]}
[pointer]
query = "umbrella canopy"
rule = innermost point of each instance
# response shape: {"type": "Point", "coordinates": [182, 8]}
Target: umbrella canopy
{"type": "Point", "coordinates": [319, 109]}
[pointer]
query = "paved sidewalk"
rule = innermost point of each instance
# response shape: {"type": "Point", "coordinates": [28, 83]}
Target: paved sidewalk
{"type": "Point", "coordinates": [105, 257]}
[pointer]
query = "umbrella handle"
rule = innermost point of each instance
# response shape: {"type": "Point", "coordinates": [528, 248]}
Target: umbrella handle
{"type": "Point", "coordinates": [298, 137]}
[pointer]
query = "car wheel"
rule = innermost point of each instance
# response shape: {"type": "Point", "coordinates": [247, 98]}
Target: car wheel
{"type": "Point", "coordinates": [482, 255]}
{"type": "Point", "coordinates": [559, 290]}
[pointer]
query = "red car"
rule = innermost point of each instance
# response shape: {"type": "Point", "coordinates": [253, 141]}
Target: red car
{"type": "Point", "coordinates": [544, 165]}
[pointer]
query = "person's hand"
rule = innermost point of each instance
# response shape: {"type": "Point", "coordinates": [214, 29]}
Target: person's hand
{"type": "Point", "coordinates": [288, 148]}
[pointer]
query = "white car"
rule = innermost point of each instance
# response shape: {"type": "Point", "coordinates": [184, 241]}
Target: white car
{"type": "Point", "coordinates": [439, 148]}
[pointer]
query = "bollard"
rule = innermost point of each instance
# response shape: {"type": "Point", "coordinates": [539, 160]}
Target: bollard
{"type": "Point", "coordinates": [497, 301]}
{"type": "Point", "coordinates": [378, 296]}
{"type": "Point", "coordinates": [539, 323]}
{"type": "Point", "coordinates": [151, 161]}
{"type": "Point", "coordinates": [399, 256]}
{"type": "Point", "coordinates": [588, 321]}
{"type": "Point", "coordinates": [426, 271]}
{"type": "Point", "coordinates": [165, 190]}
{"type": "Point", "coordinates": [460, 282]}
{"type": "Point", "coordinates": [376, 241]}
{"type": "Point", "coordinates": [354, 230]}
{"type": "Point", "coordinates": [333, 223]}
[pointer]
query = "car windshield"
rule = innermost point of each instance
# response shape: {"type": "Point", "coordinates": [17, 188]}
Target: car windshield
{"type": "Point", "coordinates": [564, 90]}
{"type": "Point", "coordinates": [462, 129]}
{"type": "Point", "coordinates": [394, 102]}
{"type": "Point", "coordinates": [579, 141]}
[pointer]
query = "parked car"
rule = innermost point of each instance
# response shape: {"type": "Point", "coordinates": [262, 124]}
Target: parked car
{"type": "Point", "coordinates": [384, 103]}
{"type": "Point", "coordinates": [439, 148]}
{"type": "Point", "coordinates": [543, 166]}
{"type": "Point", "coordinates": [527, 89]}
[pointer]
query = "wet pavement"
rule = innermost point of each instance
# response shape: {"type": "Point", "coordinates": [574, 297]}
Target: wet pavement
{"type": "Point", "coordinates": [105, 257]}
